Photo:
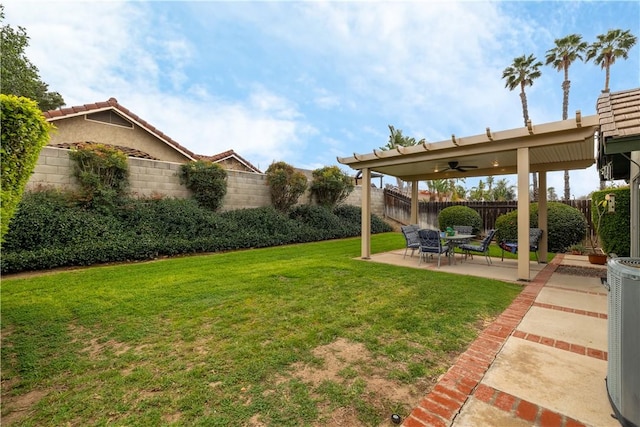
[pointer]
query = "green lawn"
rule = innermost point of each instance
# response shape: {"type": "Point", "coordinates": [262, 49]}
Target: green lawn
{"type": "Point", "coordinates": [296, 335]}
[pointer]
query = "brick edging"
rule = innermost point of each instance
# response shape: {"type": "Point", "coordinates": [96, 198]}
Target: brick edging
{"type": "Point", "coordinates": [523, 409]}
{"type": "Point", "coordinates": [443, 403]}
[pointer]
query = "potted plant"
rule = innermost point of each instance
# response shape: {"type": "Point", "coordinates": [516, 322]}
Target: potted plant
{"type": "Point", "coordinates": [597, 255]}
{"type": "Point", "coordinates": [577, 249]}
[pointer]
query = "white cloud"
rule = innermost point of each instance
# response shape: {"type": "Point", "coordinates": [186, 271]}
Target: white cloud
{"type": "Point", "coordinates": [304, 82]}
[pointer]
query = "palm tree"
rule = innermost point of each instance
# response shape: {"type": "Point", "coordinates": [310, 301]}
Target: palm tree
{"type": "Point", "coordinates": [604, 52]}
{"type": "Point", "coordinates": [522, 73]}
{"type": "Point", "coordinates": [503, 191]}
{"type": "Point", "coordinates": [396, 139]}
{"type": "Point", "coordinates": [567, 50]}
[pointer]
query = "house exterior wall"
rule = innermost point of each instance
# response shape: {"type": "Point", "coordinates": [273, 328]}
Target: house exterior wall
{"type": "Point", "coordinates": [149, 178]}
{"type": "Point", "coordinates": [78, 129]}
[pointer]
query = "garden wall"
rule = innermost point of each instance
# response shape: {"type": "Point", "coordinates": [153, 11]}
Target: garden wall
{"type": "Point", "coordinates": [155, 178]}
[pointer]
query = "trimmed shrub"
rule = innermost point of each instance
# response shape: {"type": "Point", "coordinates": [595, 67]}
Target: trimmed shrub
{"type": "Point", "coordinates": [207, 181]}
{"type": "Point", "coordinates": [352, 218]}
{"type": "Point", "coordinates": [286, 185]}
{"type": "Point", "coordinates": [24, 132]}
{"type": "Point", "coordinates": [615, 228]}
{"type": "Point", "coordinates": [331, 186]}
{"type": "Point", "coordinates": [566, 225]}
{"type": "Point", "coordinates": [47, 219]}
{"type": "Point", "coordinates": [460, 215]}
{"type": "Point", "coordinates": [52, 230]}
{"type": "Point", "coordinates": [321, 219]}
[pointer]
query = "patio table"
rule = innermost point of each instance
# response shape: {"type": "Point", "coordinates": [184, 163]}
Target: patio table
{"type": "Point", "coordinates": [456, 240]}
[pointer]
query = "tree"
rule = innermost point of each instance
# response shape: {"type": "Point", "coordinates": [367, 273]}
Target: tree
{"type": "Point", "coordinates": [503, 191]}
{"type": "Point", "coordinates": [565, 52]}
{"type": "Point", "coordinates": [522, 73]}
{"type": "Point", "coordinates": [478, 193]}
{"type": "Point", "coordinates": [396, 139]}
{"type": "Point", "coordinates": [551, 194]}
{"type": "Point", "coordinates": [18, 76]}
{"type": "Point", "coordinates": [609, 47]}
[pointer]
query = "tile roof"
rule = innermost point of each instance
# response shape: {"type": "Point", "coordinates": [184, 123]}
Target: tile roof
{"type": "Point", "coordinates": [619, 113]}
{"type": "Point", "coordinates": [130, 152]}
{"type": "Point", "coordinates": [112, 103]}
{"type": "Point", "coordinates": [228, 154]}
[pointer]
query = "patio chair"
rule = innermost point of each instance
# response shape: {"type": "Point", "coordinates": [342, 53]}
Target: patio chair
{"type": "Point", "coordinates": [431, 244]}
{"type": "Point", "coordinates": [535, 234]}
{"type": "Point", "coordinates": [482, 248]}
{"type": "Point", "coordinates": [410, 233]}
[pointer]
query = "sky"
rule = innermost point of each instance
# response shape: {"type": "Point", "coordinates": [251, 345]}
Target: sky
{"type": "Point", "coordinates": [307, 82]}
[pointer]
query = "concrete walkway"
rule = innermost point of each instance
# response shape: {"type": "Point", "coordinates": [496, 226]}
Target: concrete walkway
{"type": "Point", "coordinates": [542, 362]}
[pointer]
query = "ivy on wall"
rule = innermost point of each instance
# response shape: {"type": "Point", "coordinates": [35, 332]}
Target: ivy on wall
{"type": "Point", "coordinates": [102, 172]}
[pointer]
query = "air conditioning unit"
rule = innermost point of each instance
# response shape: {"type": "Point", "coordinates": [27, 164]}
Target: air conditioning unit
{"type": "Point", "coordinates": [623, 368]}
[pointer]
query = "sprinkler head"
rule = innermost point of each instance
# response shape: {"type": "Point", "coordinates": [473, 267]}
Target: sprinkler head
{"type": "Point", "coordinates": [395, 418]}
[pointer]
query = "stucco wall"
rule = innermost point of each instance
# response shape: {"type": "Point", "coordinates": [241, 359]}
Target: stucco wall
{"type": "Point", "coordinates": [79, 129]}
{"type": "Point", "coordinates": [151, 177]}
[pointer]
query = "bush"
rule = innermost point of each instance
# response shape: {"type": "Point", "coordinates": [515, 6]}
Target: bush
{"type": "Point", "coordinates": [47, 219]}
{"type": "Point", "coordinates": [286, 185]}
{"type": "Point", "coordinates": [566, 225]}
{"type": "Point", "coordinates": [331, 186]}
{"type": "Point", "coordinates": [352, 217]}
{"type": "Point", "coordinates": [24, 132]}
{"type": "Point", "coordinates": [615, 228]}
{"type": "Point", "coordinates": [52, 230]}
{"type": "Point", "coordinates": [207, 181]}
{"type": "Point", "coordinates": [324, 223]}
{"type": "Point", "coordinates": [103, 173]}
{"type": "Point", "coordinates": [460, 215]}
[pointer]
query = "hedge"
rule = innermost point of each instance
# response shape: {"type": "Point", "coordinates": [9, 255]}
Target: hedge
{"type": "Point", "coordinates": [24, 132]}
{"type": "Point", "coordinates": [146, 229]}
{"type": "Point", "coordinates": [615, 228]}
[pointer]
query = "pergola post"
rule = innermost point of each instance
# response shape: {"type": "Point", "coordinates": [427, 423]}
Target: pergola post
{"type": "Point", "coordinates": [365, 250]}
{"type": "Point", "coordinates": [414, 202]}
{"type": "Point", "coordinates": [634, 189]}
{"type": "Point", "coordinates": [542, 215]}
{"type": "Point", "coordinates": [523, 213]}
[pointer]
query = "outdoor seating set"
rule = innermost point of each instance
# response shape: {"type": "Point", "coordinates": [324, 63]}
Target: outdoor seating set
{"type": "Point", "coordinates": [429, 242]}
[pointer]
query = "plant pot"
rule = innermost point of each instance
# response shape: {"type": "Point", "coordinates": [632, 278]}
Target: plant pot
{"type": "Point", "coordinates": [600, 259]}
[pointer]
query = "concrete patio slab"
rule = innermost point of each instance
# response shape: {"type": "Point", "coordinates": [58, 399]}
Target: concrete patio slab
{"type": "Point", "coordinates": [572, 299]}
{"type": "Point", "coordinates": [571, 328]}
{"type": "Point", "coordinates": [578, 283]}
{"type": "Point", "coordinates": [506, 270]}
{"type": "Point", "coordinates": [558, 380]}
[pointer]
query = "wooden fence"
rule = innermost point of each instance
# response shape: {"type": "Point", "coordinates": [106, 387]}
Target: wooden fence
{"type": "Point", "coordinates": [398, 207]}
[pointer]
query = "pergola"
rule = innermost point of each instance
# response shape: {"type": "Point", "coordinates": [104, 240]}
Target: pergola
{"type": "Point", "coordinates": [555, 146]}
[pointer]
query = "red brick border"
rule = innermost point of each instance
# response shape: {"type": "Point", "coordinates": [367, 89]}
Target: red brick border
{"type": "Point", "coordinates": [523, 409]}
{"type": "Point", "coordinates": [562, 345]}
{"type": "Point", "coordinates": [444, 402]}
{"type": "Point", "coordinates": [571, 310]}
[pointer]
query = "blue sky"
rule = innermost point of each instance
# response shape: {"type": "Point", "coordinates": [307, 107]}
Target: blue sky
{"type": "Point", "coordinates": [304, 82]}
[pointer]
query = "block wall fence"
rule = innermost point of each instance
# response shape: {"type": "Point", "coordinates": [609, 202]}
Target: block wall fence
{"type": "Point", "coordinates": [151, 178]}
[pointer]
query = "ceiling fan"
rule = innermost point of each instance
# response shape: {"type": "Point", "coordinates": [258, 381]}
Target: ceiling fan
{"type": "Point", "coordinates": [454, 166]}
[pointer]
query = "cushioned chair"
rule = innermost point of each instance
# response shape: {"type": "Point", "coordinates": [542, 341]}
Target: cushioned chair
{"type": "Point", "coordinates": [431, 244]}
{"type": "Point", "coordinates": [482, 248]}
{"type": "Point", "coordinates": [410, 233]}
{"type": "Point", "coordinates": [535, 234]}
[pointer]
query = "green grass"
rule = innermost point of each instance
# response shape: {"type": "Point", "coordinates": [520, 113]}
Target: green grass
{"type": "Point", "coordinates": [229, 339]}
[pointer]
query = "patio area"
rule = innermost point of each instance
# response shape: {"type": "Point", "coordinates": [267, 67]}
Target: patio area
{"type": "Point", "coordinates": [542, 362]}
